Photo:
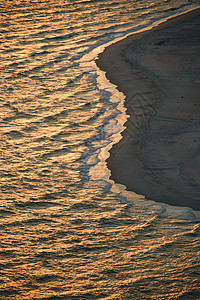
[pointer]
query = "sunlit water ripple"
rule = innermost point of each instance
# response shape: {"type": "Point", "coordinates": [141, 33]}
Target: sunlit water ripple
{"type": "Point", "coordinates": [67, 231]}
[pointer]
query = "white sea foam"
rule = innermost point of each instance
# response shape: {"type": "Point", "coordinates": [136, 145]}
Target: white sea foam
{"type": "Point", "coordinates": [114, 125]}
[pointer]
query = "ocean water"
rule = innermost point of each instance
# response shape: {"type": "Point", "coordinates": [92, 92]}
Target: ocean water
{"type": "Point", "coordinates": [67, 231]}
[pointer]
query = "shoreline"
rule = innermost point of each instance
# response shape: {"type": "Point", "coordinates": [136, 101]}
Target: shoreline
{"type": "Point", "coordinates": [157, 71]}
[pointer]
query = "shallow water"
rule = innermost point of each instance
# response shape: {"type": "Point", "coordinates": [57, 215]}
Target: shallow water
{"type": "Point", "coordinates": [67, 231]}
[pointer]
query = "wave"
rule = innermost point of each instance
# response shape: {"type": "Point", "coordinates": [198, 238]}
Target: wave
{"type": "Point", "coordinates": [110, 132]}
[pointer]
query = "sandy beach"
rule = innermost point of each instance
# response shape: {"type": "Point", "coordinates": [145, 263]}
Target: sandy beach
{"type": "Point", "coordinates": [158, 72]}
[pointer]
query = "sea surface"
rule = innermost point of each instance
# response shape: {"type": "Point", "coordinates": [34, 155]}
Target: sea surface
{"type": "Point", "coordinates": [67, 231]}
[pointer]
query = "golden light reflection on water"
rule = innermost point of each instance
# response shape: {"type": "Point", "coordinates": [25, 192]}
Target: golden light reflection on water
{"type": "Point", "coordinates": [61, 237]}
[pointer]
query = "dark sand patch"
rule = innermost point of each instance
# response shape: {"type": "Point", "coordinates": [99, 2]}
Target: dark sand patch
{"type": "Point", "coordinates": [158, 71]}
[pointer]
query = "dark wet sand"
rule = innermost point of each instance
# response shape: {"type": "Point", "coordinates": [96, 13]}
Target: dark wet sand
{"type": "Point", "coordinates": [158, 72]}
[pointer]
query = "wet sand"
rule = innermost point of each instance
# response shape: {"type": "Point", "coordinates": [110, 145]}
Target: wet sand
{"type": "Point", "coordinates": [158, 72]}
